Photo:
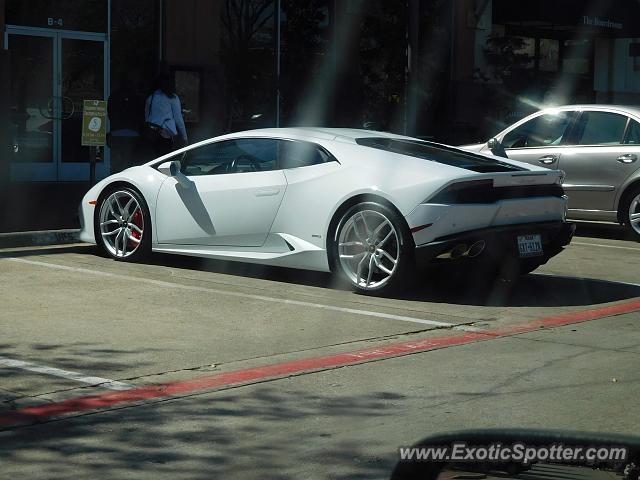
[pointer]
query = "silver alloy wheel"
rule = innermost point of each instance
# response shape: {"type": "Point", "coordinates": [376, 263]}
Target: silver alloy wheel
{"type": "Point", "coordinates": [634, 214]}
{"type": "Point", "coordinates": [121, 224]}
{"type": "Point", "coordinates": [369, 249]}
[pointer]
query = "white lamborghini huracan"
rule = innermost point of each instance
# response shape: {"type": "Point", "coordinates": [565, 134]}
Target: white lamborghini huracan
{"type": "Point", "coordinates": [368, 205]}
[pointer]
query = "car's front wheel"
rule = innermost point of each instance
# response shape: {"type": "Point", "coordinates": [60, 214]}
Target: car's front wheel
{"type": "Point", "coordinates": [630, 211]}
{"type": "Point", "coordinates": [372, 247]}
{"type": "Point", "coordinates": [123, 225]}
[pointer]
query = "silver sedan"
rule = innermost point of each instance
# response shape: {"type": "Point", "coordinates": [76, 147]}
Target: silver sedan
{"type": "Point", "coordinates": [597, 146]}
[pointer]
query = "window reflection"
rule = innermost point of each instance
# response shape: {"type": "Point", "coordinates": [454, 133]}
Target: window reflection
{"type": "Point", "coordinates": [248, 58]}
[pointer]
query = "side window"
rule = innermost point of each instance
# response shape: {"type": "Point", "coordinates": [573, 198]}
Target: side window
{"type": "Point", "coordinates": [633, 133]}
{"type": "Point", "coordinates": [294, 154]}
{"type": "Point", "coordinates": [541, 131]}
{"type": "Point", "coordinates": [600, 128]}
{"type": "Point", "coordinates": [231, 156]}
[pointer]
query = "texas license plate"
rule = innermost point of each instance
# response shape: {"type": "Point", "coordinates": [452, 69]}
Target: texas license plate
{"type": "Point", "coordinates": [530, 245]}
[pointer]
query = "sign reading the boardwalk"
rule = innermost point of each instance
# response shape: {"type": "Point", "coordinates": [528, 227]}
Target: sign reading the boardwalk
{"type": "Point", "coordinates": [600, 22]}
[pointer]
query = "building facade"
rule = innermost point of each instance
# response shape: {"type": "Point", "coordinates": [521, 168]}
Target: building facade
{"type": "Point", "coordinates": [449, 70]}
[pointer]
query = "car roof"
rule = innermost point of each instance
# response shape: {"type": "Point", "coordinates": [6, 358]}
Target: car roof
{"type": "Point", "coordinates": [628, 109]}
{"type": "Point", "coordinates": [324, 133]}
{"type": "Point", "coordinates": [348, 135]}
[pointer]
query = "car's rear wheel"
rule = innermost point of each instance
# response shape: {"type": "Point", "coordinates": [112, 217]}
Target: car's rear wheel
{"type": "Point", "coordinates": [123, 225]}
{"type": "Point", "coordinates": [373, 249]}
{"type": "Point", "coordinates": [630, 213]}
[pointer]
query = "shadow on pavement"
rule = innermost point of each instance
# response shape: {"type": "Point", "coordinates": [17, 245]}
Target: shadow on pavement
{"type": "Point", "coordinates": [277, 430]}
{"type": "Point", "coordinates": [533, 290]}
{"type": "Point", "coordinates": [236, 434]}
{"type": "Point", "coordinates": [601, 230]}
{"type": "Point", "coordinates": [103, 360]}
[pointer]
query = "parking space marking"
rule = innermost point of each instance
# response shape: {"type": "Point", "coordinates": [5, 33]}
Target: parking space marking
{"type": "Point", "coordinates": [603, 245]}
{"type": "Point", "coordinates": [264, 298]}
{"type": "Point", "coordinates": [85, 405]}
{"type": "Point", "coordinates": [57, 372]}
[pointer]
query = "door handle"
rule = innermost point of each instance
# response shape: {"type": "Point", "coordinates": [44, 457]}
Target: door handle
{"type": "Point", "coordinates": [628, 158]}
{"type": "Point", "coordinates": [548, 159]}
{"type": "Point", "coordinates": [267, 192]}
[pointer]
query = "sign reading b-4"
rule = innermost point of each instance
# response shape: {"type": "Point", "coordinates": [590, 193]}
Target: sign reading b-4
{"type": "Point", "coordinates": [94, 123]}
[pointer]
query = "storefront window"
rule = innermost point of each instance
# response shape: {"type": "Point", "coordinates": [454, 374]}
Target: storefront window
{"type": "Point", "coordinates": [383, 67]}
{"type": "Point", "coordinates": [579, 66]}
{"type": "Point", "coordinates": [344, 63]}
{"type": "Point", "coordinates": [577, 56]}
{"type": "Point", "coordinates": [307, 66]}
{"type": "Point", "coordinates": [527, 51]}
{"type": "Point", "coordinates": [549, 55]}
{"type": "Point", "coordinates": [134, 23]}
{"type": "Point", "coordinates": [249, 62]}
{"type": "Point", "coordinates": [429, 90]}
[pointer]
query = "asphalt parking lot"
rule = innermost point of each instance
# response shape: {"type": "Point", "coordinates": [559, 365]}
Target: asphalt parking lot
{"type": "Point", "coordinates": [187, 368]}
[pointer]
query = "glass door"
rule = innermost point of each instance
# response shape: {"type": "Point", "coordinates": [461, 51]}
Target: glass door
{"type": "Point", "coordinates": [82, 77]}
{"type": "Point", "coordinates": [32, 107]}
{"type": "Point", "coordinates": [52, 72]}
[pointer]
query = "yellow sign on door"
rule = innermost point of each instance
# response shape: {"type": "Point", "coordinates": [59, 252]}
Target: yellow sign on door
{"type": "Point", "coordinates": [94, 123]}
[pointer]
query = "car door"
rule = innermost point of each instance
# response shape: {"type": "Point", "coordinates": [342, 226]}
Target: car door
{"type": "Point", "coordinates": [312, 173]}
{"type": "Point", "coordinates": [540, 139]}
{"type": "Point", "coordinates": [601, 158]}
{"type": "Point", "coordinates": [234, 191]}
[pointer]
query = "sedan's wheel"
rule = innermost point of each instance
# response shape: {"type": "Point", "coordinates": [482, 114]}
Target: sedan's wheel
{"type": "Point", "coordinates": [122, 227]}
{"type": "Point", "coordinates": [631, 213]}
{"type": "Point", "coordinates": [373, 248]}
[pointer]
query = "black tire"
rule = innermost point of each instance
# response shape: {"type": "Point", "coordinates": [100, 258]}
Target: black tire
{"type": "Point", "coordinates": [137, 250]}
{"type": "Point", "coordinates": [405, 263]}
{"type": "Point", "coordinates": [626, 207]}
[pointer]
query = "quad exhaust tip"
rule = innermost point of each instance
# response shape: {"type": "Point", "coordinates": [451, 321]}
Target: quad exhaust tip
{"type": "Point", "coordinates": [459, 251]}
{"type": "Point", "coordinates": [463, 250]}
{"type": "Point", "coordinates": [476, 249]}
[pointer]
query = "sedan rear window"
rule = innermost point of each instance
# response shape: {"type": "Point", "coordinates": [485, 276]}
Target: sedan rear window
{"type": "Point", "coordinates": [437, 153]}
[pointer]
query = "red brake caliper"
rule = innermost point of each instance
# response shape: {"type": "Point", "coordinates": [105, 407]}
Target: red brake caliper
{"type": "Point", "coordinates": [136, 220]}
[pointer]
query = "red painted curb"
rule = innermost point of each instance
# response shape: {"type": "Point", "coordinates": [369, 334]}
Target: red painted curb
{"type": "Point", "coordinates": [44, 412]}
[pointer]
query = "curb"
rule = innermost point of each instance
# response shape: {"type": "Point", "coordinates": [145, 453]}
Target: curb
{"type": "Point", "coordinates": [39, 238]}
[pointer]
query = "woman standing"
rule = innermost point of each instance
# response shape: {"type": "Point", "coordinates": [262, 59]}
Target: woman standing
{"type": "Point", "coordinates": [164, 125]}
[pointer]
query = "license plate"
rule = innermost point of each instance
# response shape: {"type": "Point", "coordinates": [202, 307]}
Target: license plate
{"type": "Point", "coordinates": [530, 245]}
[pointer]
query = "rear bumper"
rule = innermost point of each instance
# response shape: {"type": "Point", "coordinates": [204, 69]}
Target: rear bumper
{"type": "Point", "coordinates": [499, 242]}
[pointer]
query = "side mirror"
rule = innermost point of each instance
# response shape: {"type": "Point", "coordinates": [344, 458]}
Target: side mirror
{"type": "Point", "coordinates": [170, 169]}
{"type": "Point", "coordinates": [496, 148]}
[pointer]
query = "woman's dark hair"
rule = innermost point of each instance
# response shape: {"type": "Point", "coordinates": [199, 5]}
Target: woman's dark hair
{"type": "Point", "coordinates": [166, 84]}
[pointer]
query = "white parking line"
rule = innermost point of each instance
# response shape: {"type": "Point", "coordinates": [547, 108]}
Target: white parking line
{"type": "Point", "coordinates": [603, 245]}
{"type": "Point", "coordinates": [57, 372]}
{"type": "Point", "coordinates": [264, 298]}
